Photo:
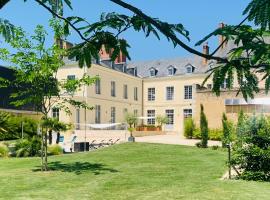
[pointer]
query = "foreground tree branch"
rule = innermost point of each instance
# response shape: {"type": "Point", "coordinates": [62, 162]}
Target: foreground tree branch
{"type": "Point", "coordinates": [163, 30]}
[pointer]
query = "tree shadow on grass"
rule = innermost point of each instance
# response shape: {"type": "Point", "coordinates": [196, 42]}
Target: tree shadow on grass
{"type": "Point", "coordinates": [78, 167]}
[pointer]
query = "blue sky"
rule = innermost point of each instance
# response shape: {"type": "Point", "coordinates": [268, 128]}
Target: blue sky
{"type": "Point", "coordinates": [200, 17]}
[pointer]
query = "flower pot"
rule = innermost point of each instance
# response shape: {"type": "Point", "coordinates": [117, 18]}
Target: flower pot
{"type": "Point", "coordinates": [131, 139]}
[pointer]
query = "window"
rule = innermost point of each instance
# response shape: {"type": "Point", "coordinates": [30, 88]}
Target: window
{"type": "Point", "coordinates": [78, 119]}
{"type": "Point", "coordinates": [70, 91]}
{"type": "Point", "coordinates": [97, 85]}
{"type": "Point", "coordinates": [169, 93]}
{"type": "Point", "coordinates": [152, 72]}
{"type": "Point", "coordinates": [171, 71]}
{"type": "Point", "coordinates": [225, 84]}
{"type": "Point", "coordinates": [71, 77]}
{"type": "Point", "coordinates": [188, 91]}
{"type": "Point", "coordinates": [170, 115]}
{"type": "Point", "coordinates": [135, 93]}
{"type": "Point", "coordinates": [209, 86]}
{"type": "Point", "coordinates": [113, 89]}
{"type": "Point", "coordinates": [125, 91]}
{"type": "Point", "coordinates": [55, 113]}
{"type": "Point", "coordinates": [113, 114]}
{"type": "Point", "coordinates": [125, 111]}
{"type": "Point", "coordinates": [151, 117]}
{"type": "Point", "coordinates": [189, 70]}
{"type": "Point", "coordinates": [151, 94]}
{"type": "Point", "coordinates": [136, 112]}
{"type": "Point", "coordinates": [97, 118]}
{"type": "Point", "coordinates": [187, 113]}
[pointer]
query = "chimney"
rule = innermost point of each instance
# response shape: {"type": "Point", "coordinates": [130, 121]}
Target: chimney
{"type": "Point", "coordinates": [63, 44]}
{"type": "Point", "coordinates": [205, 51]}
{"type": "Point", "coordinates": [121, 58]}
{"type": "Point", "coordinates": [103, 54]}
{"type": "Point", "coordinates": [222, 38]}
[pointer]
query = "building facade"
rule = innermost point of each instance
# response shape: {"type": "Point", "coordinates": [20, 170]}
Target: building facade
{"type": "Point", "coordinates": [169, 87]}
{"type": "Point", "coordinates": [147, 89]}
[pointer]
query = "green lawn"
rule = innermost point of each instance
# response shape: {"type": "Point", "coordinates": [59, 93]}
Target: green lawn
{"type": "Point", "coordinates": [127, 171]}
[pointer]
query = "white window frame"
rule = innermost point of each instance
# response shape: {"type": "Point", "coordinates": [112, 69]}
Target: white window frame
{"type": "Point", "coordinates": [78, 119]}
{"type": "Point", "coordinates": [97, 114]}
{"type": "Point", "coordinates": [151, 114]}
{"type": "Point", "coordinates": [169, 93]}
{"type": "Point", "coordinates": [113, 89]}
{"type": "Point", "coordinates": [170, 114]}
{"type": "Point", "coordinates": [125, 90]}
{"type": "Point", "coordinates": [56, 113]}
{"type": "Point", "coordinates": [98, 86]}
{"type": "Point", "coordinates": [136, 93]}
{"type": "Point", "coordinates": [188, 113]}
{"type": "Point", "coordinates": [188, 92]}
{"type": "Point", "coordinates": [151, 94]}
{"type": "Point", "coordinates": [113, 114]}
{"type": "Point", "coordinates": [71, 77]}
{"type": "Point", "coordinates": [171, 71]}
{"type": "Point", "coordinates": [152, 72]}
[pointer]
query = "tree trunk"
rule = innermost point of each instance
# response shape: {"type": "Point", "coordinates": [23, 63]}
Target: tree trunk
{"type": "Point", "coordinates": [58, 137]}
{"type": "Point", "coordinates": [50, 136]}
{"type": "Point", "coordinates": [46, 150]}
{"type": "Point", "coordinates": [42, 150]}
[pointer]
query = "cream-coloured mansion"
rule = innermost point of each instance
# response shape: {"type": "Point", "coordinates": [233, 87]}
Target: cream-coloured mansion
{"type": "Point", "coordinates": [169, 87]}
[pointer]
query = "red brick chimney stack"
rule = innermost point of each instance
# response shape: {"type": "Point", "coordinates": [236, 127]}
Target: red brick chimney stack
{"type": "Point", "coordinates": [107, 56]}
{"type": "Point", "coordinates": [205, 51]}
{"type": "Point", "coordinates": [222, 38]}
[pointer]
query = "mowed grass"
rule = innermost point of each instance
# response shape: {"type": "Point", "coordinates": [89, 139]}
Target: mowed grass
{"type": "Point", "coordinates": [127, 171]}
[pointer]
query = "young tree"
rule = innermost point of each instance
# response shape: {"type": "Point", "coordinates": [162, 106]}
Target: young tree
{"type": "Point", "coordinates": [131, 120]}
{"type": "Point", "coordinates": [189, 127]}
{"type": "Point", "coordinates": [162, 120]}
{"type": "Point", "coordinates": [35, 78]}
{"type": "Point", "coordinates": [227, 131]}
{"type": "Point", "coordinates": [241, 126]}
{"type": "Point", "coordinates": [204, 128]}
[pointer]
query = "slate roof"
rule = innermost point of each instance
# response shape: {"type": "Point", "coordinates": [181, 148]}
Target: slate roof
{"type": "Point", "coordinates": [180, 64]}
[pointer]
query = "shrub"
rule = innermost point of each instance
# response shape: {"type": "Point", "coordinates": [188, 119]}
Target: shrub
{"type": "Point", "coordinates": [197, 133]}
{"type": "Point", "coordinates": [227, 131]}
{"type": "Point", "coordinates": [189, 128]}
{"type": "Point", "coordinates": [11, 126]}
{"type": "Point", "coordinates": [28, 147]}
{"type": "Point", "coordinates": [4, 152]}
{"type": "Point", "coordinates": [204, 128]}
{"type": "Point", "coordinates": [55, 150]}
{"type": "Point", "coordinates": [252, 154]}
{"type": "Point", "coordinates": [215, 134]}
{"type": "Point", "coordinates": [215, 147]}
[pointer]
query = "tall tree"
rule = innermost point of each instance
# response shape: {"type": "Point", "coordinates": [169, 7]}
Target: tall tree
{"type": "Point", "coordinates": [36, 67]}
{"type": "Point", "coordinates": [204, 128]}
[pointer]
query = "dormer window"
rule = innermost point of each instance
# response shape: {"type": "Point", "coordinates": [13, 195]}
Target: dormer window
{"type": "Point", "coordinates": [211, 65]}
{"type": "Point", "coordinates": [190, 69]}
{"type": "Point", "coordinates": [171, 70]}
{"type": "Point", "coordinates": [153, 72]}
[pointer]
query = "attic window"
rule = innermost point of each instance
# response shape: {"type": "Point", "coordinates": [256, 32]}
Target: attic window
{"type": "Point", "coordinates": [171, 71]}
{"type": "Point", "coordinates": [152, 72]}
{"type": "Point", "coordinates": [190, 69]}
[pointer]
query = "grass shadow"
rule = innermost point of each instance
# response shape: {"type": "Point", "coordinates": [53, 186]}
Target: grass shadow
{"type": "Point", "coordinates": [78, 167]}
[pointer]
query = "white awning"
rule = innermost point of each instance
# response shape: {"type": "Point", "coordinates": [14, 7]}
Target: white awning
{"type": "Point", "coordinates": [146, 117]}
{"type": "Point", "coordinates": [100, 126]}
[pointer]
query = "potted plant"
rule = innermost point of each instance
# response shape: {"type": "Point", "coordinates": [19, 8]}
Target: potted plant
{"type": "Point", "coordinates": [161, 120]}
{"type": "Point", "coordinates": [131, 120]}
